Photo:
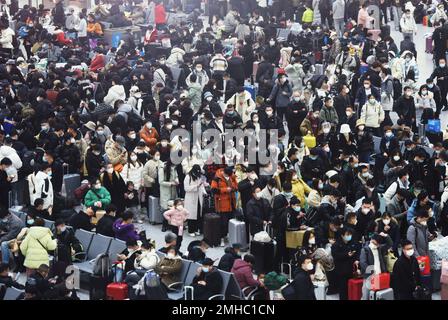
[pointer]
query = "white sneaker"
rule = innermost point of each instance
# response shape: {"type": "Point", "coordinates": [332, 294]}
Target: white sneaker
{"type": "Point", "coordinates": [192, 234]}
{"type": "Point", "coordinates": [222, 243]}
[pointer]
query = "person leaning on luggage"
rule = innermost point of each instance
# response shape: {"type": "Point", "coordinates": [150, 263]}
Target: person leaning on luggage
{"type": "Point", "coordinates": [406, 273]}
{"type": "Point", "coordinates": [207, 282]}
{"type": "Point", "coordinates": [372, 255]}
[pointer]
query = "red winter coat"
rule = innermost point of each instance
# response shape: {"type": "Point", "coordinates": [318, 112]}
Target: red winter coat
{"type": "Point", "coordinates": [160, 14]}
{"type": "Point", "coordinates": [243, 274]}
{"type": "Point", "coordinates": [97, 63]}
{"type": "Point", "coordinates": [225, 200]}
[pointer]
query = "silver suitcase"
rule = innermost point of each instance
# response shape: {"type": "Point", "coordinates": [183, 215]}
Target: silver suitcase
{"type": "Point", "coordinates": [237, 233]}
{"type": "Point", "coordinates": [154, 213]}
{"type": "Point", "coordinates": [319, 69]}
{"type": "Point", "coordinates": [386, 294]}
{"type": "Point", "coordinates": [70, 182]}
{"type": "Point", "coordinates": [320, 291]}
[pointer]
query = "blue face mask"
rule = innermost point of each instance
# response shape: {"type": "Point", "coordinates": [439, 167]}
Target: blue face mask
{"type": "Point", "coordinates": [30, 221]}
{"type": "Point", "coordinates": [297, 209]}
{"type": "Point", "coordinates": [204, 269]}
{"type": "Point", "coordinates": [313, 157]}
{"type": "Point", "coordinates": [288, 194]}
{"type": "Point", "coordinates": [348, 238]}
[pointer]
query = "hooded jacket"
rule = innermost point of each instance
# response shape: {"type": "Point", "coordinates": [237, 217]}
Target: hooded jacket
{"type": "Point", "coordinates": [418, 235]}
{"type": "Point", "coordinates": [40, 186]}
{"type": "Point", "coordinates": [115, 93]}
{"type": "Point", "coordinates": [36, 245]}
{"type": "Point", "coordinates": [373, 115]}
{"type": "Point", "coordinates": [228, 259]}
{"type": "Point", "coordinates": [225, 201]}
{"type": "Point", "coordinates": [243, 274]}
{"type": "Point", "coordinates": [11, 153]}
{"type": "Point", "coordinates": [176, 57]}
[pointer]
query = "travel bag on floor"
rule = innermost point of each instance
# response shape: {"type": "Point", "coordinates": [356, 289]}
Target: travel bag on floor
{"type": "Point", "coordinates": [154, 213]}
{"type": "Point", "coordinates": [117, 291]}
{"type": "Point", "coordinates": [355, 289]}
{"type": "Point", "coordinates": [264, 253]}
{"type": "Point", "coordinates": [237, 233]}
{"type": "Point", "coordinates": [212, 229]}
{"type": "Point", "coordinates": [386, 294]}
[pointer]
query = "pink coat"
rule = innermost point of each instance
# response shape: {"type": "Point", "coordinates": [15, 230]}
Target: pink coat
{"type": "Point", "coordinates": [363, 17]}
{"type": "Point", "coordinates": [175, 217]}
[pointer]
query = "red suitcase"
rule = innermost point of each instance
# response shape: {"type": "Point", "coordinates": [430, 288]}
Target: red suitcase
{"type": "Point", "coordinates": [380, 281]}
{"type": "Point", "coordinates": [428, 47]}
{"type": "Point", "coordinates": [355, 289]}
{"type": "Point", "coordinates": [423, 262]}
{"type": "Point", "coordinates": [117, 291]}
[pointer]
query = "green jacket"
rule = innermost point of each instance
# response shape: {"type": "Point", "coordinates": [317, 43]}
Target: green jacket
{"type": "Point", "coordinates": [93, 196]}
{"type": "Point", "coordinates": [36, 245]}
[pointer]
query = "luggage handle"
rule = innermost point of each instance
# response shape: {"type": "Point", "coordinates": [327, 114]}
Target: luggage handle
{"type": "Point", "coordinates": [186, 289]}
{"type": "Point", "coordinates": [289, 269]}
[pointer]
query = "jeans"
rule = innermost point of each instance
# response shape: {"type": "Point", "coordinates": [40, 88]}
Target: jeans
{"type": "Point", "coordinates": [339, 25]}
{"type": "Point", "coordinates": [5, 252]}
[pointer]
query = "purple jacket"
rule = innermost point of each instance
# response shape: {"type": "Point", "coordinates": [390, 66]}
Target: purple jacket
{"type": "Point", "coordinates": [125, 232]}
{"type": "Point", "coordinates": [243, 274]}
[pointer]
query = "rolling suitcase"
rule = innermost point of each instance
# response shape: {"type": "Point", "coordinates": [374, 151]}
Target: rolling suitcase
{"type": "Point", "coordinates": [212, 229]}
{"type": "Point", "coordinates": [70, 182]}
{"type": "Point", "coordinates": [154, 213]}
{"type": "Point", "coordinates": [97, 287]}
{"type": "Point", "coordinates": [319, 69]}
{"type": "Point", "coordinates": [355, 289]}
{"type": "Point", "coordinates": [428, 46]}
{"type": "Point", "coordinates": [386, 294]}
{"type": "Point", "coordinates": [264, 253]}
{"type": "Point", "coordinates": [117, 291]}
{"type": "Point", "coordinates": [237, 233]}
{"type": "Point", "coordinates": [320, 291]}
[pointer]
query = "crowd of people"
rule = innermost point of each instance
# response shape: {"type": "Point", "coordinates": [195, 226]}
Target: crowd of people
{"type": "Point", "coordinates": [76, 102]}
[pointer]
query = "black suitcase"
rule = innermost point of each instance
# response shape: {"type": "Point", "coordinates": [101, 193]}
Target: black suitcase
{"type": "Point", "coordinates": [97, 287]}
{"type": "Point", "coordinates": [264, 253]}
{"type": "Point", "coordinates": [212, 229]}
{"type": "Point", "coordinates": [385, 31]}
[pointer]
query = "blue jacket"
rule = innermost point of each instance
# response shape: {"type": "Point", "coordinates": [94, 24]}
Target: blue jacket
{"type": "Point", "coordinates": [413, 208]}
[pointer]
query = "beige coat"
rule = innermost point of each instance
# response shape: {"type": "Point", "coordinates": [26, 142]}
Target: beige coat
{"type": "Point", "coordinates": [150, 172]}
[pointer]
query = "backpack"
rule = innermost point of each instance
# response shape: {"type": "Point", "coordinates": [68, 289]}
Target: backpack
{"type": "Point", "coordinates": [27, 164]}
{"type": "Point", "coordinates": [398, 88]}
{"type": "Point", "coordinates": [154, 290]}
{"type": "Point", "coordinates": [134, 120]}
{"type": "Point", "coordinates": [101, 265]}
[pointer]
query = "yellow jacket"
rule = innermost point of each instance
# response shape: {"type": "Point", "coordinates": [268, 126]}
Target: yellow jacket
{"type": "Point", "coordinates": [308, 16]}
{"type": "Point", "coordinates": [300, 189]}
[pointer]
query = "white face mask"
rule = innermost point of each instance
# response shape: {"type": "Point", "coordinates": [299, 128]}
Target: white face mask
{"type": "Point", "coordinates": [170, 256]}
{"type": "Point", "coordinates": [133, 136]}
{"type": "Point", "coordinates": [269, 113]}
{"type": "Point", "coordinates": [180, 207]}
{"type": "Point", "coordinates": [110, 171]}
{"type": "Point", "coordinates": [326, 130]}
{"type": "Point", "coordinates": [396, 158]}
{"type": "Point", "coordinates": [258, 195]}
{"type": "Point", "coordinates": [133, 158]}
{"type": "Point", "coordinates": [389, 134]}
{"type": "Point", "coordinates": [157, 158]}
{"type": "Point", "coordinates": [164, 144]}
{"type": "Point", "coordinates": [348, 113]}
{"type": "Point", "coordinates": [98, 186]}
{"type": "Point", "coordinates": [424, 223]}
{"type": "Point", "coordinates": [169, 126]}
{"type": "Point", "coordinates": [386, 221]}
{"type": "Point", "coordinates": [365, 210]}
{"type": "Point", "coordinates": [149, 125]}
{"type": "Point", "coordinates": [312, 241]}
{"type": "Point", "coordinates": [326, 149]}
{"type": "Point", "coordinates": [100, 132]}
{"type": "Point", "coordinates": [309, 266]}
{"type": "Point", "coordinates": [409, 252]}
{"type": "Point", "coordinates": [209, 99]}
{"type": "Point", "coordinates": [272, 43]}
{"type": "Point", "coordinates": [72, 140]}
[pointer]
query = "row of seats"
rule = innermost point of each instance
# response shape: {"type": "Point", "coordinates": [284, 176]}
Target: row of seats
{"type": "Point", "coordinates": [22, 215]}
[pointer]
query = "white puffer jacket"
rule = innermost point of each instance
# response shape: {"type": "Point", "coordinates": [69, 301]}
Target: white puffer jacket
{"type": "Point", "coordinates": [134, 173]}
{"type": "Point", "coordinates": [115, 93]}
{"type": "Point", "coordinates": [176, 57]}
{"type": "Point", "coordinates": [6, 38]}
{"type": "Point", "coordinates": [40, 186]}
{"type": "Point", "coordinates": [11, 153]}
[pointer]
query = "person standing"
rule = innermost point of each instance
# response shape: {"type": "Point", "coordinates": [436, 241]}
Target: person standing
{"type": "Point", "coordinates": [224, 186]}
{"type": "Point", "coordinates": [440, 74]}
{"type": "Point", "coordinates": [176, 218]}
{"type": "Point", "coordinates": [406, 273]}
{"type": "Point", "coordinates": [194, 185]}
{"type": "Point", "coordinates": [408, 25]}
{"type": "Point", "coordinates": [303, 284]}
{"type": "Point", "coordinates": [338, 16]}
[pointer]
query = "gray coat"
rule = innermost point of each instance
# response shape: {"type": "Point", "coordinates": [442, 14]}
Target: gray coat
{"type": "Point", "coordinates": [338, 9]}
{"type": "Point", "coordinates": [419, 235]}
{"type": "Point", "coordinates": [167, 190]}
{"type": "Point", "coordinates": [366, 258]}
{"type": "Point", "coordinates": [11, 227]}
{"type": "Point", "coordinates": [281, 94]}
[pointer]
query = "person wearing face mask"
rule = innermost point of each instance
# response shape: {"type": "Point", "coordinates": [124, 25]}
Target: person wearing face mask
{"type": "Point", "coordinates": [97, 197]}
{"type": "Point", "coordinates": [345, 255]}
{"type": "Point", "coordinates": [408, 25]}
{"type": "Point", "coordinates": [406, 273]}
{"type": "Point", "coordinates": [149, 134]}
{"type": "Point", "coordinates": [372, 260]}
{"type": "Point", "coordinates": [176, 218]}
{"type": "Point", "coordinates": [387, 224]}
{"type": "Point", "coordinates": [312, 166]}
{"type": "Point", "coordinates": [207, 282]}
{"type": "Point", "coordinates": [328, 112]}
{"type": "Point", "coordinates": [362, 95]}
{"type": "Point", "coordinates": [258, 211]}
{"type": "Point", "coordinates": [202, 77]}
{"type": "Point", "coordinates": [437, 94]}
{"type": "Point", "coordinates": [66, 243]}
{"type": "Point", "coordinates": [69, 154]}
{"type": "Point", "coordinates": [114, 183]}
{"type": "Point", "coordinates": [246, 185]}
{"type": "Point", "coordinates": [296, 112]}
{"type": "Point", "coordinates": [132, 171]}
{"type": "Point", "coordinates": [365, 216]}
{"type": "Point", "coordinates": [425, 105]}
{"type": "Point", "coordinates": [41, 186]}
{"type": "Point", "coordinates": [169, 268]}
{"type": "Point", "coordinates": [350, 118]}
{"type": "Point", "coordinates": [364, 142]}
{"type": "Point", "coordinates": [280, 95]}
{"type": "Point", "coordinates": [302, 283]}
{"type": "Point", "coordinates": [440, 74]}
{"type": "Point", "coordinates": [150, 175]}
{"type": "Point", "coordinates": [373, 115]}
{"type": "Point", "coordinates": [93, 162]}
{"type": "Point", "coordinates": [418, 232]}
{"type": "Point", "coordinates": [272, 52]}
{"type": "Point", "coordinates": [105, 224]}
{"type": "Point", "coordinates": [311, 124]}
{"type": "Point", "coordinates": [393, 166]}
{"type": "Point", "coordinates": [299, 188]}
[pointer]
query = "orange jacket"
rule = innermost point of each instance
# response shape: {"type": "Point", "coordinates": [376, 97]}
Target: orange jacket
{"type": "Point", "coordinates": [225, 200]}
{"type": "Point", "coordinates": [150, 136]}
{"type": "Point", "coordinates": [94, 27]}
